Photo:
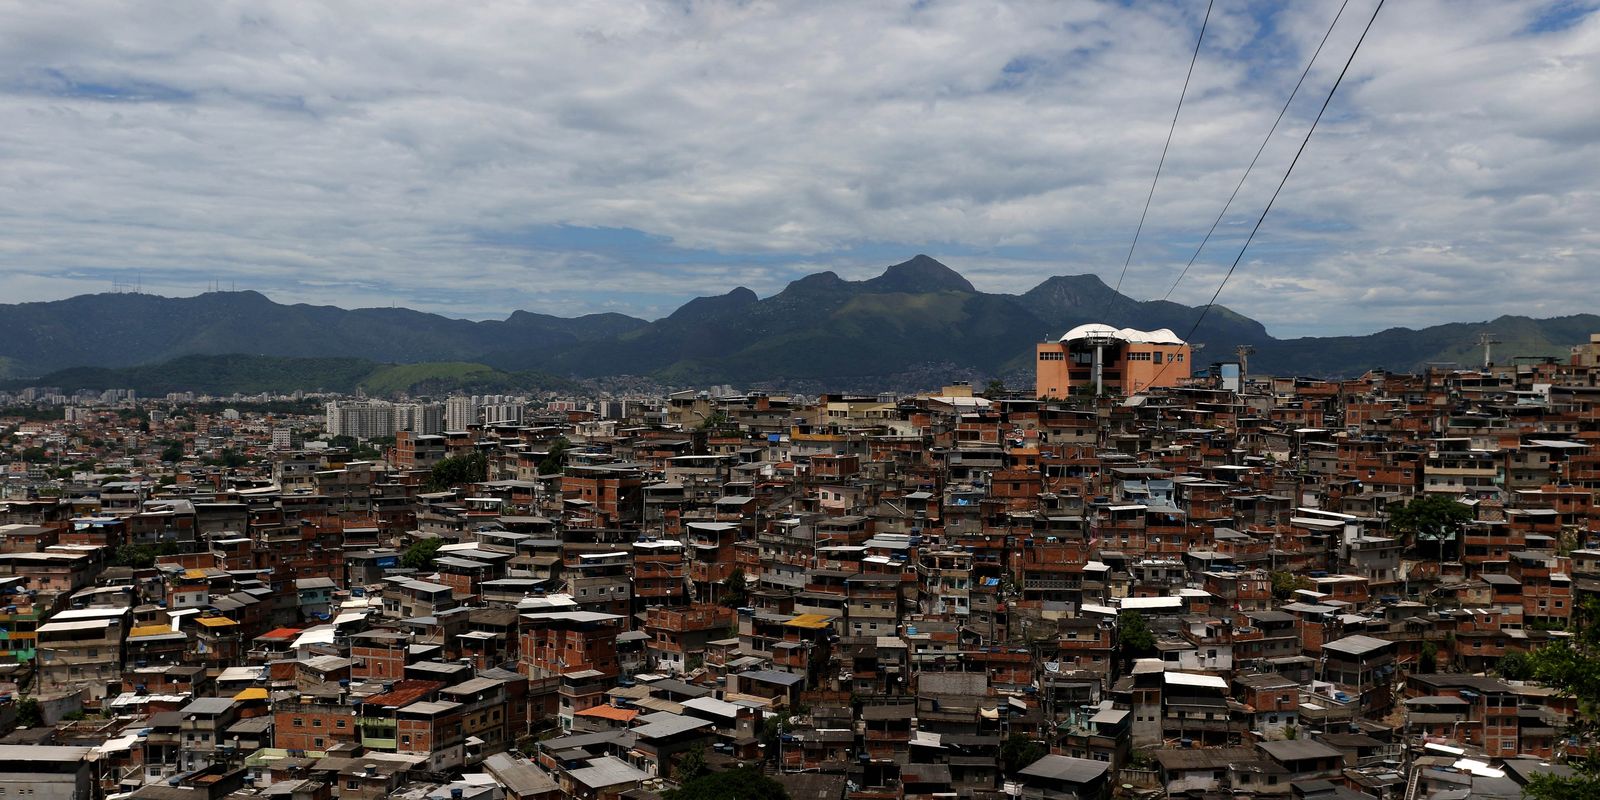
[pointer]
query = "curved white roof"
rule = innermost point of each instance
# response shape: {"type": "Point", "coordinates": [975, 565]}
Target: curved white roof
{"type": "Point", "coordinates": [1131, 335]}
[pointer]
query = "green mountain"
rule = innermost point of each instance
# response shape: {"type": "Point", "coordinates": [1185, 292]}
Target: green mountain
{"type": "Point", "coordinates": [244, 374]}
{"type": "Point", "coordinates": [1404, 349]}
{"type": "Point", "coordinates": [917, 323]}
{"type": "Point", "coordinates": [119, 330]}
{"type": "Point", "coordinates": [824, 331]}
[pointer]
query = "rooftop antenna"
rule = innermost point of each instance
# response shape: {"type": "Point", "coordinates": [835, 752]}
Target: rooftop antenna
{"type": "Point", "coordinates": [1487, 341]}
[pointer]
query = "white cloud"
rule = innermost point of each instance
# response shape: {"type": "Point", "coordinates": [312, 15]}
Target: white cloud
{"type": "Point", "coordinates": [397, 153]}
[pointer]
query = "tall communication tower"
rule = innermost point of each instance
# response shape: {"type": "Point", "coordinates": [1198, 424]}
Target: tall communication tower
{"type": "Point", "coordinates": [1487, 341]}
{"type": "Point", "coordinates": [1243, 351]}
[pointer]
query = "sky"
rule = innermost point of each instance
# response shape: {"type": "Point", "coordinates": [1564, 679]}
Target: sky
{"type": "Point", "coordinates": [471, 159]}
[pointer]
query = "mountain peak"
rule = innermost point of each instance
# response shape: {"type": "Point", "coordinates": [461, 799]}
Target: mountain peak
{"type": "Point", "coordinates": [919, 275]}
{"type": "Point", "coordinates": [1076, 290]}
{"type": "Point", "coordinates": [716, 305]}
{"type": "Point", "coordinates": [816, 281]}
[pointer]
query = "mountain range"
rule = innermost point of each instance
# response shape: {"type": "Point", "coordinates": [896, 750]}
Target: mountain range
{"type": "Point", "coordinates": [916, 324]}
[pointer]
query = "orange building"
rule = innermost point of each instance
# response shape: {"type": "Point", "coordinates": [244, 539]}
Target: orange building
{"type": "Point", "coordinates": [1099, 358]}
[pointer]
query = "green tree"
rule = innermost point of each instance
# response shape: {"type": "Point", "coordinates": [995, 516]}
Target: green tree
{"type": "Point", "coordinates": [1018, 751]}
{"type": "Point", "coordinates": [717, 420]}
{"type": "Point", "coordinates": [421, 553]}
{"type": "Point", "coordinates": [28, 713]}
{"type": "Point", "coordinates": [172, 452]}
{"type": "Point", "coordinates": [1572, 664]}
{"type": "Point", "coordinates": [1515, 667]}
{"type": "Point", "coordinates": [691, 764]}
{"type": "Point", "coordinates": [774, 726]}
{"type": "Point", "coordinates": [1285, 584]}
{"type": "Point", "coordinates": [1431, 517]}
{"type": "Point", "coordinates": [1581, 786]}
{"type": "Point", "coordinates": [458, 471]}
{"type": "Point", "coordinates": [1572, 667]}
{"type": "Point", "coordinates": [554, 460]}
{"type": "Point", "coordinates": [1134, 639]}
{"type": "Point", "coordinates": [736, 590]}
{"type": "Point", "coordinates": [141, 555]}
{"type": "Point", "coordinates": [1428, 660]}
{"type": "Point", "coordinates": [994, 389]}
{"type": "Point", "coordinates": [230, 458]}
{"type": "Point", "coordinates": [737, 784]}
{"type": "Point", "coordinates": [34, 455]}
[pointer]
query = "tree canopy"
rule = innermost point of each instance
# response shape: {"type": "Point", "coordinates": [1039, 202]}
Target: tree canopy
{"type": "Point", "coordinates": [1572, 667]}
{"type": "Point", "coordinates": [1018, 751]}
{"type": "Point", "coordinates": [736, 590]}
{"type": "Point", "coordinates": [554, 460]}
{"type": "Point", "coordinates": [458, 471]}
{"type": "Point", "coordinates": [29, 715]}
{"type": "Point", "coordinates": [1134, 638]}
{"type": "Point", "coordinates": [141, 555]}
{"type": "Point", "coordinates": [1515, 667]}
{"type": "Point", "coordinates": [420, 554]}
{"type": "Point", "coordinates": [737, 784]}
{"type": "Point", "coordinates": [1284, 584]}
{"type": "Point", "coordinates": [1431, 517]}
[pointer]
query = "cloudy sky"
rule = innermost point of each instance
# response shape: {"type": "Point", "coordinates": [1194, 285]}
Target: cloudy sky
{"type": "Point", "coordinates": [475, 158]}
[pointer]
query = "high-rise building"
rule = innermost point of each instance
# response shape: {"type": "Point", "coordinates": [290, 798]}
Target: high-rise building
{"type": "Point", "coordinates": [500, 413]}
{"type": "Point", "coordinates": [460, 412]}
{"type": "Point", "coordinates": [282, 438]}
{"type": "Point", "coordinates": [362, 419]}
{"type": "Point", "coordinates": [420, 418]}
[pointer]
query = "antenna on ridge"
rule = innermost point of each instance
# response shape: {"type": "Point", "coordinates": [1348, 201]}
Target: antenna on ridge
{"type": "Point", "coordinates": [1487, 341]}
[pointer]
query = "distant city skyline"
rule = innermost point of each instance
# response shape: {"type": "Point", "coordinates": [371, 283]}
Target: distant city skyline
{"type": "Point", "coordinates": [472, 161]}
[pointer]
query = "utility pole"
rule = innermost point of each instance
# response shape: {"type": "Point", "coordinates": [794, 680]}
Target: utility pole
{"type": "Point", "coordinates": [1243, 351]}
{"type": "Point", "coordinates": [1487, 341]}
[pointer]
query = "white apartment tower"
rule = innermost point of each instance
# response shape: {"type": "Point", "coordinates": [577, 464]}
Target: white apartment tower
{"type": "Point", "coordinates": [460, 412]}
{"type": "Point", "coordinates": [362, 419]}
{"type": "Point", "coordinates": [420, 418]}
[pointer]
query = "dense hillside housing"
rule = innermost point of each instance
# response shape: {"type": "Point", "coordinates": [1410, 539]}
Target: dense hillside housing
{"type": "Point", "coordinates": [1175, 585]}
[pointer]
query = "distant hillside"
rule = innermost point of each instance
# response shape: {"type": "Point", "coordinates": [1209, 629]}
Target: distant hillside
{"type": "Point", "coordinates": [1404, 349]}
{"type": "Point", "coordinates": [918, 323]}
{"type": "Point", "coordinates": [243, 374]}
{"type": "Point", "coordinates": [822, 331]}
{"type": "Point", "coordinates": [119, 330]}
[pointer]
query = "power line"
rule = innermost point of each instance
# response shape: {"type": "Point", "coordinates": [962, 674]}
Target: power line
{"type": "Point", "coordinates": [1286, 173]}
{"type": "Point", "coordinates": [1164, 147]}
{"type": "Point", "coordinates": [1259, 151]}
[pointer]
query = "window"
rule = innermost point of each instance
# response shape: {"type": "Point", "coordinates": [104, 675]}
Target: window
{"type": "Point", "coordinates": [316, 722]}
{"type": "Point", "coordinates": [352, 784]}
{"type": "Point", "coordinates": [299, 722]}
